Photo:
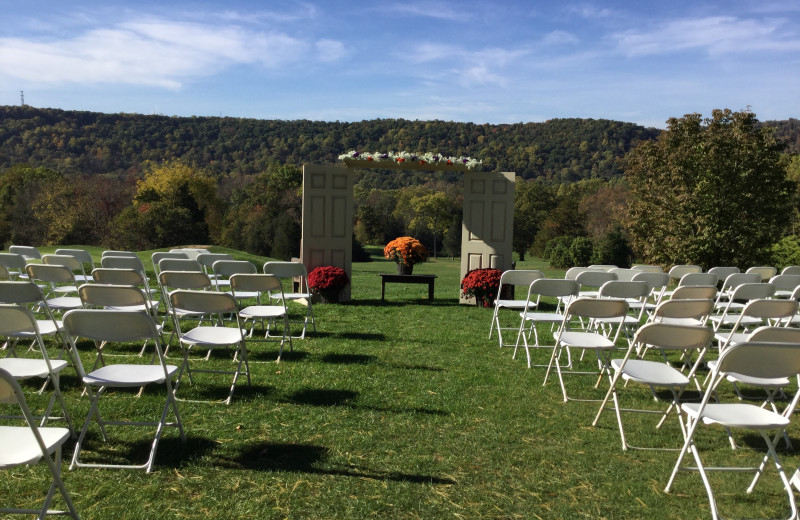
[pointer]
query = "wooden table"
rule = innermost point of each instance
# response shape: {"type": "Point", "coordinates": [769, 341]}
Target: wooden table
{"type": "Point", "coordinates": [408, 278]}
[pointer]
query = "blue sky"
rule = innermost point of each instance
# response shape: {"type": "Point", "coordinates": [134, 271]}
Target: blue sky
{"type": "Point", "coordinates": [339, 60]}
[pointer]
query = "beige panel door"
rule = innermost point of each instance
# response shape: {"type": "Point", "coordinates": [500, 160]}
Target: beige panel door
{"type": "Point", "coordinates": [327, 237]}
{"type": "Point", "coordinates": [486, 239]}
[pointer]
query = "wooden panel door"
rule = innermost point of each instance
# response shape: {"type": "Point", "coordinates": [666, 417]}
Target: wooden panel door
{"type": "Point", "coordinates": [486, 239]}
{"type": "Point", "coordinates": [327, 237]}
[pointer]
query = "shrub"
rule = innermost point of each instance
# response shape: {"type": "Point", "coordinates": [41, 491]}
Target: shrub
{"type": "Point", "coordinates": [786, 252]}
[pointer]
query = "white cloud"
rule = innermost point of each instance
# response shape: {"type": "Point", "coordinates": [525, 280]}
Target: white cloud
{"type": "Point", "coordinates": [716, 35]}
{"type": "Point", "coordinates": [154, 52]}
{"type": "Point", "coordinates": [560, 38]}
{"type": "Point", "coordinates": [437, 10]}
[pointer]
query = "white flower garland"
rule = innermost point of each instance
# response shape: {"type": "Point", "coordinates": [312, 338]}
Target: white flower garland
{"type": "Point", "coordinates": [401, 157]}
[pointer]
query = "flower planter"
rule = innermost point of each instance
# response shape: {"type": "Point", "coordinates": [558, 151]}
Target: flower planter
{"type": "Point", "coordinates": [329, 295]}
{"type": "Point", "coordinates": [405, 269]}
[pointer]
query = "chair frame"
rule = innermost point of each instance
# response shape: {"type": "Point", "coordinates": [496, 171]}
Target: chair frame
{"type": "Point", "coordinates": [509, 280]}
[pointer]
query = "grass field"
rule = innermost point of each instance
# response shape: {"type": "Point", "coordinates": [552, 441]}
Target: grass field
{"type": "Point", "coordinates": [395, 410]}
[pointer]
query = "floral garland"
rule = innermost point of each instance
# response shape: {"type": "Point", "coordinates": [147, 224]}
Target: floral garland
{"type": "Point", "coordinates": [401, 157]}
{"type": "Point", "coordinates": [327, 277]}
{"type": "Point", "coordinates": [482, 284]}
{"type": "Point", "coordinates": [405, 250]}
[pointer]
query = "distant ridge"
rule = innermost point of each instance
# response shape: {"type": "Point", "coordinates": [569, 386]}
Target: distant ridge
{"type": "Point", "coordinates": [97, 143]}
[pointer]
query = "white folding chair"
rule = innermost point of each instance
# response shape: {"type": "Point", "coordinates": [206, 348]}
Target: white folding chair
{"type": "Point", "coordinates": [17, 322]}
{"type": "Point", "coordinates": [224, 269]}
{"type": "Point", "coordinates": [532, 315]}
{"type": "Point", "coordinates": [60, 280]}
{"type": "Point", "coordinates": [31, 296]}
{"type": "Point", "coordinates": [14, 264]}
{"type": "Point", "coordinates": [160, 255]}
{"type": "Point", "coordinates": [765, 271]}
{"type": "Point", "coordinates": [119, 276]}
{"type": "Point", "coordinates": [84, 257]}
{"type": "Point", "coordinates": [115, 327]}
{"type": "Point", "coordinates": [785, 284]}
{"type": "Point", "coordinates": [295, 271]}
{"type": "Point", "coordinates": [261, 286]}
{"type": "Point", "coordinates": [635, 294]}
{"type": "Point", "coordinates": [752, 359]}
{"type": "Point", "coordinates": [661, 337]}
{"type": "Point", "coordinates": [731, 310]}
{"type": "Point", "coordinates": [73, 264]}
{"type": "Point", "coordinates": [183, 305]}
{"type": "Point", "coordinates": [730, 283]}
{"type": "Point", "coordinates": [27, 445]}
{"type": "Point", "coordinates": [207, 261]}
{"type": "Point", "coordinates": [509, 280]}
{"type": "Point", "coordinates": [695, 292]}
{"type": "Point", "coordinates": [572, 335]}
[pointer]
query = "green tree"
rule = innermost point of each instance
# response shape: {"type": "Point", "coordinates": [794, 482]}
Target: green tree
{"type": "Point", "coordinates": [532, 202]}
{"type": "Point", "coordinates": [433, 212]}
{"type": "Point", "coordinates": [710, 192]}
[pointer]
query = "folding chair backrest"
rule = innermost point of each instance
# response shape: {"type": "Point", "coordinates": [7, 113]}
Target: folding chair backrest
{"type": "Point", "coordinates": [624, 289]}
{"type": "Point", "coordinates": [15, 319]}
{"type": "Point", "coordinates": [184, 280]}
{"type": "Point", "coordinates": [668, 336]}
{"type": "Point", "coordinates": [573, 272]}
{"type": "Point", "coordinates": [209, 302]}
{"type": "Point", "coordinates": [68, 261]}
{"type": "Point", "coordinates": [20, 292]}
{"type": "Point", "coordinates": [160, 255]}
{"type": "Point", "coordinates": [117, 276]}
{"type": "Point", "coordinates": [207, 259]}
{"type": "Point", "coordinates": [775, 334]}
{"type": "Point", "coordinates": [678, 271]}
{"type": "Point", "coordinates": [736, 279]}
{"type": "Point", "coordinates": [101, 295]}
{"type": "Point", "coordinates": [656, 281]}
{"type": "Point", "coordinates": [594, 278]}
{"type": "Point", "coordinates": [761, 359]}
{"type": "Point", "coordinates": [51, 273]}
{"type": "Point", "coordinates": [554, 287]}
{"type": "Point", "coordinates": [109, 325]}
{"type": "Point", "coordinates": [603, 267]}
{"type": "Point", "coordinates": [285, 269]}
{"type": "Point", "coordinates": [81, 255]}
{"type": "Point", "coordinates": [766, 272]}
{"type": "Point", "coordinates": [698, 309]}
{"type": "Point", "coordinates": [597, 308]}
{"type": "Point", "coordinates": [123, 262]}
{"type": "Point", "coordinates": [522, 277]}
{"type": "Point", "coordinates": [724, 271]}
{"type": "Point", "coordinates": [753, 291]}
{"type": "Point", "coordinates": [4, 274]}
{"type": "Point", "coordinates": [695, 292]}
{"type": "Point", "coordinates": [111, 252]}
{"type": "Point", "coordinates": [624, 274]}
{"type": "Point", "coordinates": [646, 268]}
{"type": "Point", "coordinates": [190, 252]}
{"type": "Point", "coordinates": [227, 268]}
{"type": "Point", "coordinates": [785, 282]}
{"type": "Point", "coordinates": [791, 269]}
{"type": "Point", "coordinates": [256, 282]}
{"type": "Point", "coordinates": [698, 279]}
{"type": "Point", "coordinates": [13, 262]}
{"type": "Point", "coordinates": [179, 264]}
{"type": "Point", "coordinates": [770, 309]}
{"type": "Point", "coordinates": [27, 252]}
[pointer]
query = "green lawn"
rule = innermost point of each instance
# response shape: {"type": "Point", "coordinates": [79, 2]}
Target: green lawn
{"type": "Point", "coordinates": [396, 409]}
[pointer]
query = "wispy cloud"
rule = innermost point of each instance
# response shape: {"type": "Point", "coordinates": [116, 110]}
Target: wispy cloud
{"type": "Point", "coordinates": [589, 11]}
{"type": "Point", "coordinates": [155, 52]}
{"type": "Point", "coordinates": [437, 10]}
{"type": "Point", "coordinates": [714, 35]}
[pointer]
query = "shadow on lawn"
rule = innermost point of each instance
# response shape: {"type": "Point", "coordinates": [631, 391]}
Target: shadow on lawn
{"type": "Point", "coordinates": [344, 398]}
{"type": "Point", "coordinates": [307, 458]}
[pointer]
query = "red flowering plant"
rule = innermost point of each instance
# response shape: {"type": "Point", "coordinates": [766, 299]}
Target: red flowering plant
{"type": "Point", "coordinates": [482, 284]}
{"type": "Point", "coordinates": [327, 277]}
{"type": "Point", "coordinates": [406, 250]}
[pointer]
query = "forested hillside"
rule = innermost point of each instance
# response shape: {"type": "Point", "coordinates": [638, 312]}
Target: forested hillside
{"type": "Point", "coordinates": [90, 143]}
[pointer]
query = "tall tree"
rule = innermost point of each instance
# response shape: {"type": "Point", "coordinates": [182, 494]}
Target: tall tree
{"type": "Point", "coordinates": [711, 192]}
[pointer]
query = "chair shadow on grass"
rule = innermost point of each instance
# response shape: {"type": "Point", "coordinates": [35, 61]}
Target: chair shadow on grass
{"type": "Point", "coordinates": [363, 359]}
{"type": "Point", "coordinates": [345, 398]}
{"type": "Point", "coordinates": [402, 302]}
{"type": "Point", "coordinates": [308, 458]}
{"type": "Point", "coordinates": [172, 452]}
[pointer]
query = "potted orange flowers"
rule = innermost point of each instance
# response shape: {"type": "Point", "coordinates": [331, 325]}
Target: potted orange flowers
{"type": "Point", "coordinates": [405, 251]}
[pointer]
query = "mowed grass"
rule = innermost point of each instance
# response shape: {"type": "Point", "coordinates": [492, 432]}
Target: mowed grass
{"type": "Point", "coordinates": [398, 409]}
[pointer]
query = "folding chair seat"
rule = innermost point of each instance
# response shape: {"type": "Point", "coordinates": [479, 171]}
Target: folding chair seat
{"type": "Point", "coordinates": [224, 269]}
{"type": "Point", "coordinates": [113, 327]}
{"type": "Point", "coordinates": [183, 304]}
{"type": "Point", "coordinates": [295, 272]}
{"type": "Point", "coordinates": [261, 286]}
{"type": "Point", "coordinates": [661, 338]}
{"type": "Point", "coordinates": [532, 314]}
{"type": "Point", "coordinates": [509, 281]}
{"type": "Point", "coordinates": [71, 263]}
{"type": "Point", "coordinates": [27, 445]}
{"type": "Point", "coordinates": [765, 271]}
{"type": "Point", "coordinates": [15, 265]}
{"type": "Point", "coordinates": [785, 284]}
{"type": "Point", "coordinates": [571, 335]}
{"type": "Point", "coordinates": [59, 280]}
{"type": "Point", "coordinates": [752, 359]}
{"type": "Point", "coordinates": [17, 322]}
{"type": "Point", "coordinates": [27, 252]}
